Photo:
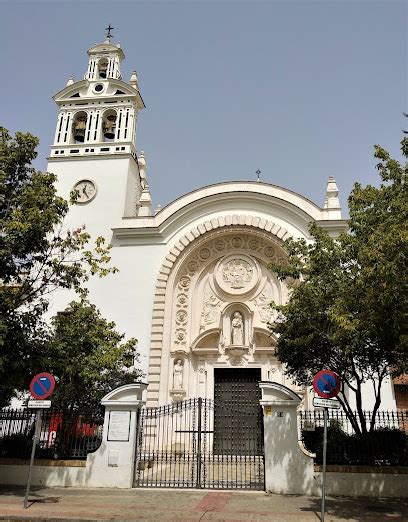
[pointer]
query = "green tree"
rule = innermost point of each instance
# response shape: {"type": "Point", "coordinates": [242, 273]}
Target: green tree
{"type": "Point", "coordinates": [348, 306]}
{"type": "Point", "coordinates": [88, 357]}
{"type": "Point", "coordinates": [36, 258]}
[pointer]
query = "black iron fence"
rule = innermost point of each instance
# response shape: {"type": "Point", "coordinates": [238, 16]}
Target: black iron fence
{"type": "Point", "coordinates": [385, 445]}
{"type": "Point", "coordinates": [179, 446]}
{"type": "Point", "coordinates": [63, 435]}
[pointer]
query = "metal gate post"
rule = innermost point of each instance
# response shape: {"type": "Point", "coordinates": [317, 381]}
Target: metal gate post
{"type": "Point", "coordinates": [200, 405]}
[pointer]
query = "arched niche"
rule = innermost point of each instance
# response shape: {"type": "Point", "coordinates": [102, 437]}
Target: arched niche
{"type": "Point", "coordinates": [232, 316]}
{"type": "Point", "coordinates": [103, 68]}
{"type": "Point", "coordinates": [109, 124]}
{"type": "Point", "coordinates": [79, 126]}
{"type": "Point", "coordinates": [207, 341]}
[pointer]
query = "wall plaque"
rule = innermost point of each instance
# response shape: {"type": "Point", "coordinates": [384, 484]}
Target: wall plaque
{"type": "Point", "coordinates": [119, 425]}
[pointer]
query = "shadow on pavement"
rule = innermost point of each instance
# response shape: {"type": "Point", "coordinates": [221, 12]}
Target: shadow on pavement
{"type": "Point", "coordinates": [363, 508]}
{"type": "Point", "coordinates": [19, 491]}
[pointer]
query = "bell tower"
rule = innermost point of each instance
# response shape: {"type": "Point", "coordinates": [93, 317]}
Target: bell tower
{"type": "Point", "coordinates": [94, 149]}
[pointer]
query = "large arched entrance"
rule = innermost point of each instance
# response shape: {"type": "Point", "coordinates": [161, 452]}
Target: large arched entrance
{"type": "Point", "coordinates": [213, 312]}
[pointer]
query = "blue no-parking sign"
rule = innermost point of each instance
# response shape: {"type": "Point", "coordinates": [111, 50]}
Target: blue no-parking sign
{"type": "Point", "coordinates": [42, 386]}
{"type": "Point", "coordinates": [326, 384]}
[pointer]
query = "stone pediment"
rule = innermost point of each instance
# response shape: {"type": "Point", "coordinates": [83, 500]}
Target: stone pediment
{"type": "Point", "coordinates": [82, 88]}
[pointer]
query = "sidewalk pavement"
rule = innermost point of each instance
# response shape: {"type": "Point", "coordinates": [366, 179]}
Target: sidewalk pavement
{"type": "Point", "coordinates": [188, 505]}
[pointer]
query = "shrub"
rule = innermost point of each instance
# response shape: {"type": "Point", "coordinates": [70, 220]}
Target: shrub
{"type": "Point", "coordinates": [381, 447]}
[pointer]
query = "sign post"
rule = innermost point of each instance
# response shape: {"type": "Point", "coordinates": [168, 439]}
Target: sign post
{"type": "Point", "coordinates": [41, 387]}
{"type": "Point", "coordinates": [36, 438]}
{"type": "Point", "coordinates": [324, 464]}
{"type": "Point", "coordinates": [327, 385]}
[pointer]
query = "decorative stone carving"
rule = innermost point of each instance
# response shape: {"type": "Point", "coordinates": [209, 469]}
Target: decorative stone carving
{"type": "Point", "coordinates": [220, 245]}
{"type": "Point", "coordinates": [237, 330]}
{"type": "Point", "coordinates": [182, 299]}
{"type": "Point", "coordinates": [253, 244]}
{"type": "Point", "coordinates": [210, 307]}
{"type": "Point", "coordinates": [237, 359]}
{"type": "Point", "coordinates": [184, 282]}
{"type": "Point", "coordinates": [221, 346]}
{"type": "Point", "coordinates": [263, 302]}
{"type": "Point", "coordinates": [180, 336]}
{"type": "Point", "coordinates": [177, 395]}
{"type": "Point", "coordinates": [181, 316]}
{"type": "Point", "coordinates": [236, 242]}
{"type": "Point", "coordinates": [192, 266]}
{"type": "Point", "coordinates": [205, 253]}
{"type": "Point", "coordinates": [211, 250]}
{"type": "Point", "coordinates": [237, 274]}
{"type": "Point", "coordinates": [178, 371]}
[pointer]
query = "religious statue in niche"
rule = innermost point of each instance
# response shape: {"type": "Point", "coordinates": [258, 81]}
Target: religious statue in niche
{"type": "Point", "coordinates": [238, 273]}
{"type": "Point", "coordinates": [237, 330]}
{"type": "Point", "coordinates": [178, 375]}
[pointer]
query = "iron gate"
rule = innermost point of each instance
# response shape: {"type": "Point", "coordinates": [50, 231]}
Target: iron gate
{"type": "Point", "coordinates": [176, 448]}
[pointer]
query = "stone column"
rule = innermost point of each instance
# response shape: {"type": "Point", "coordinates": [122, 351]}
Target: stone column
{"type": "Point", "coordinates": [112, 465]}
{"type": "Point", "coordinates": [289, 467]}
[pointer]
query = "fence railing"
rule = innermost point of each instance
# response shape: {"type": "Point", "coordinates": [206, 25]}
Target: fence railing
{"type": "Point", "coordinates": [385, 445]}
{"type": "Point", "coordinates": [63, 435]}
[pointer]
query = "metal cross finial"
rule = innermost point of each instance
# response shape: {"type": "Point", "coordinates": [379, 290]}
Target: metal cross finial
{"type": "Point", "coordinates": [258, 172]}
{"type": "Point", "coordinates": [108, 34]}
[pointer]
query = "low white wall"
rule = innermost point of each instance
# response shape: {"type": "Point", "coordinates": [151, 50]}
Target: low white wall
{"type": "Point", "coordinates": [112, 464]}
{"type": "Point", "coordinates": [59, 474]}
{"type": "Point", "coordinates": [289, 468]}
{"type": "Point", "coordinates": [338, 484]}
{"type": "Point", "coordinates": [389, 483]}
{"type": "Point", "coordinates": [362, 484]}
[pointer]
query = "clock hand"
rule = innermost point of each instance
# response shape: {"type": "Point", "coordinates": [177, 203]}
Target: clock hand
{"type": "Point", "coordinates": [84, 191]}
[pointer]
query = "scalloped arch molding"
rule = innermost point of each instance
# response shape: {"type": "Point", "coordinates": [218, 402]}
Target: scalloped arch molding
{"type": "Point", "coordinates": [156, 337]}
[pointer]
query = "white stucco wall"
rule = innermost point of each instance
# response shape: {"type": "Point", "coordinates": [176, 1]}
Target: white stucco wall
{"type": "Point", "coordinates": [110, 175]}
{"type": "Point", "coordinates": [369, 484]}
{"type": "Point", "coordinates": [387, 396]}
{"type": "Point", "coordinates": [141, 244]}
{"type": "Point", "coordinates": [289, 468]}
{"type": "Point", "coordinates": [43, 475]}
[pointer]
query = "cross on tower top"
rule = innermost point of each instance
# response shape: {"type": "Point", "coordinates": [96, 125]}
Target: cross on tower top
{"type": "Point", "coordinates": [109, 34]}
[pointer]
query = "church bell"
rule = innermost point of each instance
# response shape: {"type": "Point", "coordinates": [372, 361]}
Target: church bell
{"type": "Point", "coordinates": [103, 68]}
{"type": "Point", "coordinates": [79, 129]}
{"type": "Point", "coordinates": [109, 127]}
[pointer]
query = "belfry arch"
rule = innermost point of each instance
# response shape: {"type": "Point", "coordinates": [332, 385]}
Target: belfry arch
{"type": "Point", "coordinates": [216, 272]}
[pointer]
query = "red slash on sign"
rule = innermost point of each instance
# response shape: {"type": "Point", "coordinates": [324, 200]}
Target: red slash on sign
{"type": "Point", "coordinates": [326, 384]}
{"type": "Point", "coordinates": [42, 386]}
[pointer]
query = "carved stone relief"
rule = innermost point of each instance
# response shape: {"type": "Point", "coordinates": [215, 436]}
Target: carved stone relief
{"type": "Point", "coordinates": [211, 306]}
{"type": "Point", "coordinates": [263, 301]}
{"type": "Point", "coordinates": [235, 274]}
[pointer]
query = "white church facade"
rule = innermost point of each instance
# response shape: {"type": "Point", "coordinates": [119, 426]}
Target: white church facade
{"type": "Point", "coordinates": [193, 284]}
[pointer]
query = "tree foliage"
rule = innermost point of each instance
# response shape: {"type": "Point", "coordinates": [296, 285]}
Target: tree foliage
{"type": "Point", "coordinates": [88, 357]}
{"type": "Point", "coordinates": [348, 306]}
{"type": "Point", "coordinates": [37, 256]}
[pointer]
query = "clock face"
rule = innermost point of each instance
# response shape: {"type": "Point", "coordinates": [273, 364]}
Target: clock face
{"type": "Point", "coordinates": [86, 190]}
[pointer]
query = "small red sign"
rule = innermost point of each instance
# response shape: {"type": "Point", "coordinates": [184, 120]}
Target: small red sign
{"type": "Point", "coordinates": [326, 384]}
{"type": "Point", "coordinates": [42, 386]}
